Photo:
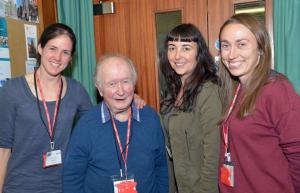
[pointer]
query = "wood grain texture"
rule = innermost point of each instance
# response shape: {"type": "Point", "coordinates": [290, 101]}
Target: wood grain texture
{"type": "Point", "coordinates": [131, 31]}
{"type": "Point", "coordinates": [167, 4]}
{"type": "Point", "coordinates": [269, 24]}
{"type": "Point", "coordinates": [195, 11]}
{"type": "Point", "coordinates": [218, 12]}
{"type": "Point", "coordinates": [47, 13]}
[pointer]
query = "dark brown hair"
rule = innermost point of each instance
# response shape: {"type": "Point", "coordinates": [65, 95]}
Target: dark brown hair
{"type": "Point", "coordinates": [51, 32]}
{"type": "Point", "coordinates": [205, 69]}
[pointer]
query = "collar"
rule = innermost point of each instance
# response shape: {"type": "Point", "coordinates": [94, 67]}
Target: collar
{"type": "Point", "coordinates": [105, 114]}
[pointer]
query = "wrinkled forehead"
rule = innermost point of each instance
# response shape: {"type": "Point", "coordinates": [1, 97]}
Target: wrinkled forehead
{"type": "Point", "coordinates": [114, 64]}
{"type": "Point", "coordinates": [114, 68]}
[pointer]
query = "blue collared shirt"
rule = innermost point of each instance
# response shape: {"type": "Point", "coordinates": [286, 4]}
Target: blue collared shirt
{"type": "Point", "coordinates": [105, 113]}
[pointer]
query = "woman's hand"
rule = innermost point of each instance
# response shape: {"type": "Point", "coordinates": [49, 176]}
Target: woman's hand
{"type": "Point", "coordinates": [4, 157]}
{"type": "Point", "coordinates": [140, 103]}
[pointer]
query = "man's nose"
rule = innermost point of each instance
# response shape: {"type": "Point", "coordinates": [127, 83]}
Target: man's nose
{"type": "Point", "coordinates": [120, 88]}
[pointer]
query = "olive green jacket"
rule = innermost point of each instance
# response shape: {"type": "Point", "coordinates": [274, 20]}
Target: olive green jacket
{"type": "Point", "coordinates": [192, 140]}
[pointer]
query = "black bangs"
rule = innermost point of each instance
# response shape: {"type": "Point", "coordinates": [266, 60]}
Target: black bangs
{"type": "Point", "coordinates": [180, 38]}
{"type": "Point", "coordinates": [184, 33]}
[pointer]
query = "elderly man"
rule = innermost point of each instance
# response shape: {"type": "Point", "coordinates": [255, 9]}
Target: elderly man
{"type": "Point", "coordinates": [116, 147]}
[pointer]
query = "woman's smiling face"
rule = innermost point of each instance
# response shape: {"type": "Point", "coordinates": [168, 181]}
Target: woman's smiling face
{"type": "Point", "coordinates": [239, 51]}
{"type": "Point", "coordinates": [182, 57]}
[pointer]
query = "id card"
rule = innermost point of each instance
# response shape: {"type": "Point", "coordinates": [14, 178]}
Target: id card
{"type": "Point", "coordinates": [124, 184]}
{"type": "Point", "coordinates": [52, 158]}
{"type": "Point", "coordinates": [227, 174]}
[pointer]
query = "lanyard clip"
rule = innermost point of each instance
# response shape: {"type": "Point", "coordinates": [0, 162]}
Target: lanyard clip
{"type": "Point", "coordinates": [52, 145]}
{"type": "Point", "coordinates": [228, 157]}
{"type": "Point", "coordinates": [121, 173]}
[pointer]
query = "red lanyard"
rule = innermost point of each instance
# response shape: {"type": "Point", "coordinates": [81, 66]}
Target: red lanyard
{"type": "Point", "coordinates": [50, 126]}
{"type": "Point", "coordinates": [225, 127]}
{"type": "Point", "coordinates": [127, 138]}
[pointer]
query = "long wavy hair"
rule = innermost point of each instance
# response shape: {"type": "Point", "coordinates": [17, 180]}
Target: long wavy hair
{"type": "Point", "coordinates": [261, 73]}
{"type": "Point", "coordinates": [205, 69]}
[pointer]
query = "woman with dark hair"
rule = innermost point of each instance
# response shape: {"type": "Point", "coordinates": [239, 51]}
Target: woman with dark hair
{"type": "Point", "coordinates": [260, 148]}
{"type": "Point", "coordinates": [190, 111]}
{"type": "Point", "coordinates": [36, 115]}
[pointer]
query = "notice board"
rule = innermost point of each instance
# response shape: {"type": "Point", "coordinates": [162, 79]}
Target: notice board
{"type": "Point", "coordinates": [17, 45]}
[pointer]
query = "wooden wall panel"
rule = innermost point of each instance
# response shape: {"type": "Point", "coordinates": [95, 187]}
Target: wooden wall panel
{"type": "Point", "coordinates": [99, 35]}
{"type": "Point", "coordinates": [167, 4]}
{"type": "Point", "coordinates": [218, 12]}
{"type": "Point", "coordinates": [269, 24]}
{"type": "Point", "coordinates": [196, 12]}
{"type": "Point", "coordinates": [131, 31]}
{"type": "Point", "coordinates": [47, 12]}
{"type": "Point", "coordinates": [142, 48]}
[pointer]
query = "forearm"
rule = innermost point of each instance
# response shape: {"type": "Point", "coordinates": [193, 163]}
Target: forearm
{"type": "Point", "coordinates": [4, 157]}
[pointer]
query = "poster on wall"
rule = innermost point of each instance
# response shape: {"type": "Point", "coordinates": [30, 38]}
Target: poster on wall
{"type": "Point", "coordinates": [4, 52]}
{"type": "Point", "coordinates": [31, 41]}
{"type": "Point", "coordinates": [5, 71]}
{"type": "Point", "coordinates": [30, 65]}
{"type": "Point", "coordinates": [8, 8]}
{"type": "Point", "coordinates": [2, 8]}
{"type": "Point", "coordinates": [27, 10]}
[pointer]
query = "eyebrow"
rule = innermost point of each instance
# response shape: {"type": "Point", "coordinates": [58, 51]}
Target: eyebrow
{"type": "Point", "coordinates": [53, 46]}
{"type": "Point", "coordinates": [187, 45]}
{"type": "Point", "coordinates": [244, 39]}
{"type": "Point", "coordinates": [224, 41]}
{"type": "Point", "coordinates": [171, 44]}
{"type": "Point", "coordinates": [238, 40]}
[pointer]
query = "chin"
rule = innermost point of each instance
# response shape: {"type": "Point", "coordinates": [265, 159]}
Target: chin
{"type": "Point", "coordinates": [234, 72]}
{"type": "Point", "coordinates": [122, 107]}
{"type": "Point", "coordinates": [119, 110]}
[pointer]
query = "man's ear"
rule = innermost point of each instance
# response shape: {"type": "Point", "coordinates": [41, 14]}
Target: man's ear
{"type": "Point", "coordinates": [99, 89]}
{"type": "Point", "coordinates": [100, 92]}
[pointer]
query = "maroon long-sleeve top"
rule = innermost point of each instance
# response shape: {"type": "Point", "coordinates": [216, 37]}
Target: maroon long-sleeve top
{"type": "Point", "coordinates": [265, 146]}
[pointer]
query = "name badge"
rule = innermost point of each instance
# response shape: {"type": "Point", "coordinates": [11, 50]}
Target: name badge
{"type": "Point", "coordinates": [124, 184]}
{"type": "Point", "coordinates": [52, 158]}
{"type": "Point", "coordinates": [227, 175]}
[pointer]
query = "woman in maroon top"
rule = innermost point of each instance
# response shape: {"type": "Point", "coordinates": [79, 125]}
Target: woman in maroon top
{"type": "Point", "coordinates": [260, 148]}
